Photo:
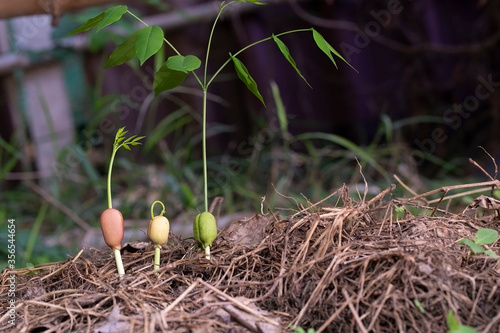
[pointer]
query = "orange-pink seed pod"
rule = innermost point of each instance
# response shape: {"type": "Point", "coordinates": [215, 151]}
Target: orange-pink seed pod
{"type": "Point", "coordinates": [112, 227]}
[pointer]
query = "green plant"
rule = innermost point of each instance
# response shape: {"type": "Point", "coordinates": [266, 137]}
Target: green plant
{"type": "Point", "coordinates": [298, 329]}
{"type": "Point", "coordinates": [112, 219]}
{"type": "Point", "coordinates": [158, 230]}
{"type": "Point", "coordinates": [148, 41]}
{"type": "Point", "coordinates": [484, 236]}
{"type": "Point", "coordinates": [419, 305]}
{"type": "Point", "coordinates": [455, 327]}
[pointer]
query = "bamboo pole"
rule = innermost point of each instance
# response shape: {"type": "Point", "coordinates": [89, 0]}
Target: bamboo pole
{"type": "Point", "coordinates": [9, 9]}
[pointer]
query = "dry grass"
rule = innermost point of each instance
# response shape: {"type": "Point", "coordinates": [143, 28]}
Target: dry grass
{"type": "Point", "coordinates": [349, 268]}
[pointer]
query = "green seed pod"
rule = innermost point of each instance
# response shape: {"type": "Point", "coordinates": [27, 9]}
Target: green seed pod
{"type": "Point", "coordinates": [205, 229]}
{"type": "Point", "coordinates": [158, 230]}
{"type": "Point", "coordinates": [112, 227]}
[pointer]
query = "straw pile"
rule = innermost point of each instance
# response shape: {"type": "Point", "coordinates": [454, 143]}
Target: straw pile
{"type": "Point", "coordinates": [349, 268]}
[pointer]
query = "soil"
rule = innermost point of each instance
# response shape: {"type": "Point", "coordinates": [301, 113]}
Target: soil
{"type": "Point", "coordinates": [353, 267]}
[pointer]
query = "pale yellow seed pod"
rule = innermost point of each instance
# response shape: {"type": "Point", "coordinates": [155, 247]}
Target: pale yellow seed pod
{"type": "Point", "coordinates": [112, 227]}
{"type": "Point", "coordinates": [158, 230]}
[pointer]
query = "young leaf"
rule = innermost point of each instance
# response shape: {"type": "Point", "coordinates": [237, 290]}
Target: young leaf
{"type": "Point", "coordinates": [324, 46]}
{"type": "Point", "coordinates": [173, 72]}
{"type": "Point", "coordinates": [244, 76]}
{"type": "Point", "coordinates": [183, 63]}
{"type": "Point", "coordinates": [92, 22]}
{"type": "Point", "coordinates": [286, 53]}
{"type": "Point", "coordinates": [123, 52]}
{"type": "Point", "coordinates": [452, 322]}
{"type": "Point", "coordinates": [149, 41]}
{"type": "Point", "coordinates": [137, 139]}
{"type": "Point", "coordinates": [167, 78]}
{"type": "Point", "coordinates": [455, 327]}
{"type": "Point", "coordinates": [419, 305]}
{"type": "Point", "coordinates": [486, 236]}
{"type": "Point", "coordinates": [256, 2]}
{"type": "Point", "coordinates": [472, 246]}
{"type": "Point", "coordinates": [121, 132]}
{"type": "Point", "coordinates": [491, 254]}
{"type": "Point", "coordinates": [111, 15]}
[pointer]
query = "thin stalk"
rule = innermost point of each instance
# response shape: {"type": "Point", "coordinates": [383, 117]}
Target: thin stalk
{"type": "Point", "coordinates": [119, 263]}
{"type": "Point", "coordinates": [156, 265]}
{"type": "Point", "coordinates": [210, 39]}
{"type": "Point", "coordinates": [115, 149]}
{"type": "Point", "coordinates": [204, 148]}
{"type": "Point", "coordinates": [253, 44]}
{"type": "Point", "coordinates": [34, 231]}
{"type": "Point", "coordinates": [147, 25]}
{"type": "Point", "coordinates": [153, 205]}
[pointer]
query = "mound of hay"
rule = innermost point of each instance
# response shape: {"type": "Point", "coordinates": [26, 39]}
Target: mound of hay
{"type": "Point", "coordinates": [350, 268]}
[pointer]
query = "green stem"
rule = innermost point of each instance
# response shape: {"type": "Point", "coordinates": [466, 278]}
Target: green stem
{"type": "Point", "coordinates": [253, 44]}
{"type": "Point", "coordinates": [119, 263]}
{"type": "Point", "coordinates": [210, 39]}
{"type": "Point", "coordinates": [115, 149]}
{"type": "Point", "coordinates": [152, 206]}
{"type": "Point", "coordinates": [156, 265]}
{"type": "Point", "coordinates": [204, 148]}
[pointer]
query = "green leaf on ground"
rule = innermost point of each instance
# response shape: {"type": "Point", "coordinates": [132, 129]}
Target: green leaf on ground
{"type": "Point", "coordinates": [246, 78]}
{"type": "Point", "coordinates": [491, 254]}
{"type": "Point", "coordinates": [286, 53]}
{"type": "Point", "coordinates": [111, 15]}
{"type": "Point", "coordinates": [486, 236]}
{"type": "Point", "coordinates": [123, 52]}
{"type": "Point", "coordinates": [455, 327]}
{"type": "Point", "coordinates": [419, 305]}
{"type": "Point", "coordinates": [472, 246]}
{"type": "Point", "coordinates": [149, 41]}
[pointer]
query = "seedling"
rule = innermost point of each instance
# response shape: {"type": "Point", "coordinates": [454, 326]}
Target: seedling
{"type": "Point", "coordinates": [419, 305]}
{"type": "Point", "coordinates": [298, 329]}
{"type": "Point", "coordinates": [147, 41]}
{"type": "Point", "coordinates": [112, 219]}
{"type": "Point", "coordinates": [455, 327]}
{"type": "Point", "coordinates": [158, 230]}
{"type": "Point", "coordinates": [484, 236]}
